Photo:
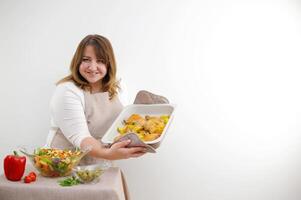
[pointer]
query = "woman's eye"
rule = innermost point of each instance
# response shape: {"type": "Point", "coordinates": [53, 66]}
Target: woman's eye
{"type": "Point", "coordinates": [100, 61]}
{"type": "Point", "coordinates": [86, 60]}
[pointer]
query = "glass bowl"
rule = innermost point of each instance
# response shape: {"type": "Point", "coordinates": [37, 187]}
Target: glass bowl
{"type": "Point", "coordinates": [55, 162]}
{"type": "Point", "coordinates": [90, 173]}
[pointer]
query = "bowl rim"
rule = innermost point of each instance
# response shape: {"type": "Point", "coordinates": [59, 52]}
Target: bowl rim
{"type": "Point", "coordinates": [104, 165]}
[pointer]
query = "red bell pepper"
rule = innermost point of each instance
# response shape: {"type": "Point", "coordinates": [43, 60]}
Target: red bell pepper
{"type": "Point", "coordinates": [14, 166]}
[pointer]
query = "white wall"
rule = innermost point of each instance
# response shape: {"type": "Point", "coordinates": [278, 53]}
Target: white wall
{"type": "Point", "coordinates": [232, 67]}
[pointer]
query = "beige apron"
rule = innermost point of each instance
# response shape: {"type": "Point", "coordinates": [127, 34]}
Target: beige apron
{"type": "Point", "coordinates": [100, 113]}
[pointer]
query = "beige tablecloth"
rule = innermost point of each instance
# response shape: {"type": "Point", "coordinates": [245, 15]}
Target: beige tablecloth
{"type": "Point", "coordinates": [110, 187]}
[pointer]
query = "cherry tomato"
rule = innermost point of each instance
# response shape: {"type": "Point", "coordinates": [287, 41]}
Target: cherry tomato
{"type": "Point", "coordinates": [32, 177]}
{"type": "Point", "coordinates": [32, 174]}
{"type": "Point", "coordinates": [27, 179]}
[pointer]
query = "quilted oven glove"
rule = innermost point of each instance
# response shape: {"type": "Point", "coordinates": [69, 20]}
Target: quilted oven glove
{"type": "Point", "coordinates": [135, 142]}
{"type": "Point", "coordinates": [145, 97]}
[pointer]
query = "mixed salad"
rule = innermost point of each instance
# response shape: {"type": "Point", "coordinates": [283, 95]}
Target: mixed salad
{"type": "Point", "coordinates": [56, 162]}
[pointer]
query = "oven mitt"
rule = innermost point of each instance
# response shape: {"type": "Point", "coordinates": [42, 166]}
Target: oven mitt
{"type": "Point", "coordinates": [146, 97]}
{"type": "Point", "coordinates": [135, 142]}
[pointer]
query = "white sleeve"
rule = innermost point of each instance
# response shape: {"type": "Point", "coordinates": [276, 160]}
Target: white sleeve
{"type": "Point", "coordinates": [67, 111]}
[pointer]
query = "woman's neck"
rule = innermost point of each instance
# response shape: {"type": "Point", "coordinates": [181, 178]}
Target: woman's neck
{"type": "Point", "coordinates": [96, 87]}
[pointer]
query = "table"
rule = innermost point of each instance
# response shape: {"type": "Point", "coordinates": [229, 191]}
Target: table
{"type": "Point", "coordinates": [111, 186]}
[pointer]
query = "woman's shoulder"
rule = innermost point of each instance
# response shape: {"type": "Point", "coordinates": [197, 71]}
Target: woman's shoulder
{"type": "Point", "coordinates": [69, 86]}
{"type": "Point", "coordinates": [66, 96]}
{"type": "Point", "coordinates": [68, 89]}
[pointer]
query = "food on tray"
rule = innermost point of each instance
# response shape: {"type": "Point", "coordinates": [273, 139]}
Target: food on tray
{"type": "Point", "coordinates": [147, 128]}
{"type": "Point", "coordinates": [55, 162]}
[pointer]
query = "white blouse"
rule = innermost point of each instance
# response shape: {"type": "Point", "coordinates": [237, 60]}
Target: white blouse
{"type": "Point", "coordinates": [67, 112]}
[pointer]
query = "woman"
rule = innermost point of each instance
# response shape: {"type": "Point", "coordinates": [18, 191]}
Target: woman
{"type": "Point", "coordinates": [85, 103]}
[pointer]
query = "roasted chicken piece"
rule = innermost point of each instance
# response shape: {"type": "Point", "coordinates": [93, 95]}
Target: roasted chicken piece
{"type": "Point", "coordinates": [154, 125]}
{"type": "Point", "coordinates": [135, 119]}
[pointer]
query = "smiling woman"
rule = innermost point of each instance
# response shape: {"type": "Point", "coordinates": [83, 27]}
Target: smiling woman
{"type": "Point", "coordinates": [86, 103]}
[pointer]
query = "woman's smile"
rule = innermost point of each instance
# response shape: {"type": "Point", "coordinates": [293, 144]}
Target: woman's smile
{"type": "Point", "coordinates": [92, 73]}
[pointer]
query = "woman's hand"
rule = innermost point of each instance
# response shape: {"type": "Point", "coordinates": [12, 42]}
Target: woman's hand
{"type": "Point", "coordinates": [120, 151]}
{"type": "Point", "coordinates": [116, 152]}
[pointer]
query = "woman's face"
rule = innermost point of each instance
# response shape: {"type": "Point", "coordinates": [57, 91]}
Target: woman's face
{"type": "Point", "coordinates": [91, 68]}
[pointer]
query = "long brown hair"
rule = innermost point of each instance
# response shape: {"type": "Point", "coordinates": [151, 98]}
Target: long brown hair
{"type": "Point", "coordinates": [104, 51]}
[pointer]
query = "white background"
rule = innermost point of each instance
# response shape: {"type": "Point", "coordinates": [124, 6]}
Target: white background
{"type": "Point", "coordinates": [232, 67]}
